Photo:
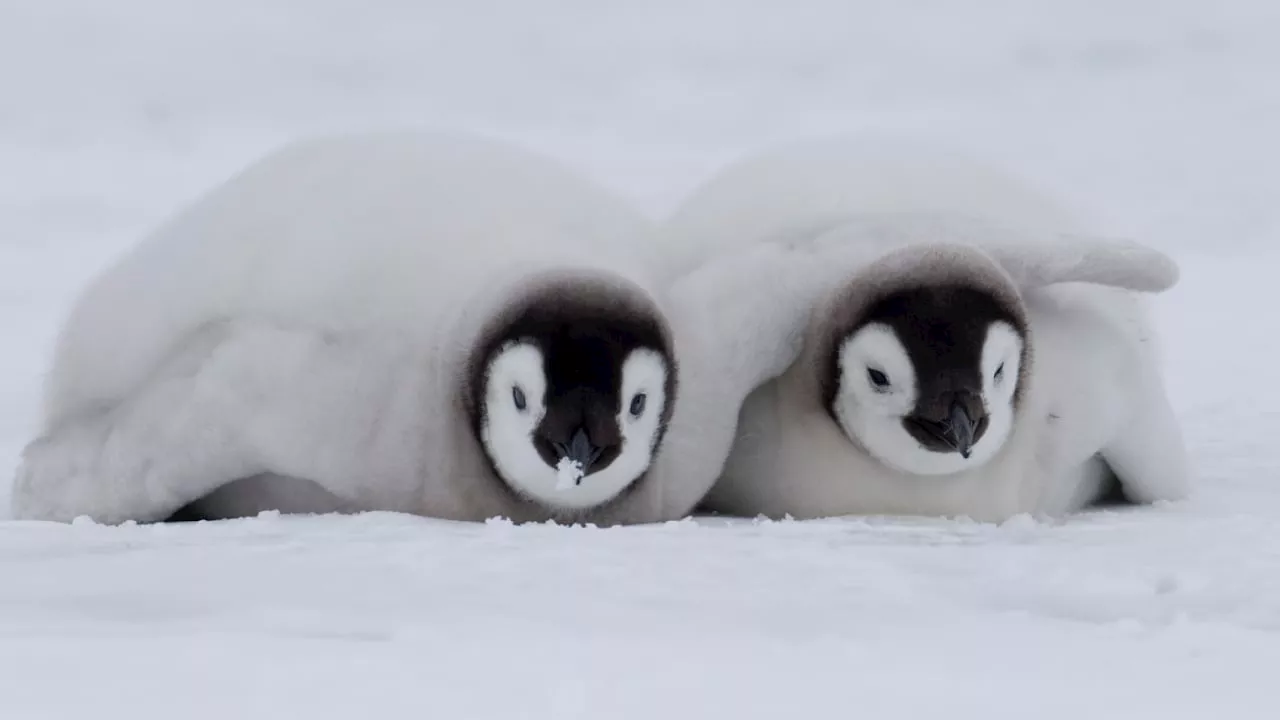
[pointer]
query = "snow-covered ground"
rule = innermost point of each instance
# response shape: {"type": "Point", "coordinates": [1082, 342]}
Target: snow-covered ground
{"type": "Point", "coordinates": [1159, 115]}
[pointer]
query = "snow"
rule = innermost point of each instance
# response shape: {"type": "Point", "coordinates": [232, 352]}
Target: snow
{"type": "Point", "coordinates": [1158, 115]}
{"type": "Point", "coordinates": [568, 474]}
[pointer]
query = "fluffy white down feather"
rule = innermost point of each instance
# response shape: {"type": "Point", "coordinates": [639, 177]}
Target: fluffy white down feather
{"type": "Point", "coordinates": [293, 322]}
{"type": "Point", "coordinates": [800, 190]}
{"type": "Point", "coordinates": [310, 317]}
{"type": "Point", "coordinates": [1095, 361]}
{"type": "Point", "coordinates": [327, 234]}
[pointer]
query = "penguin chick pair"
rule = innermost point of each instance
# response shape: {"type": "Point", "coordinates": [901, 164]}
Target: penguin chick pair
{"type": "Point", "coordinates": [430, 323]}
{"type": "Point", "coordinates": [447, 326]}
{"type": "Point", "coordinates": [987, 360]}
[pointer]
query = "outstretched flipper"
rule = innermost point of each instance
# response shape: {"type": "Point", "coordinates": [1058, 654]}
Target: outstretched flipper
{"type": "Point", "coordinates": [740, 321]}
{"type": "Point", "coordinates": [1147, 454]}
{"type": "Point", "coordinates": [1114, 262]}
{"type": "Point", "coordinates": [1032, 258]}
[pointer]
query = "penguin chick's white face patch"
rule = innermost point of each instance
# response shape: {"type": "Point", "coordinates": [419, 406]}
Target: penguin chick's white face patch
{"type": "Point", "coordinates": [642, 403]}
{"type": "Point", "coordinates": [928, 387]}
{"type": "Point", "coordinates": [514, 404]}
{"type": "Point", "coordinates": [571, 447]}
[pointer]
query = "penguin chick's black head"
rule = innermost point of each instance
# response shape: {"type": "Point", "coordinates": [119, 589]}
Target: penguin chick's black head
{"type": "Point", "coordinates": [924, 372]}
{"type": "Point", "coordinates": [944, 330]}
{"type": "Point", "coordinates": [573, 389]}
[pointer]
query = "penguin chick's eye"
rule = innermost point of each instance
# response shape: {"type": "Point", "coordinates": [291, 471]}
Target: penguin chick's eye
{"type": "Point", "coordinates": [637, 404]}
{"type": "Point", "coordinates": [517, 396]}
{"type": "Point", "coordinates": [999, 373]}
{"type": "Point", "coordinates": [877, 378]}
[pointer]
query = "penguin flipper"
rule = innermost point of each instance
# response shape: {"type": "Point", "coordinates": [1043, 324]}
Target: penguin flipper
{"type": "Point", "coordinates": [745, 312]}
{"type": "Point", "coordinates": [1148, 455]}
{"type": "Point", "coordinates": [1099, 260]}
{"type": "Point", "coordinates": [740, 320]}
{"type": "Point", "coordinates": [1033, 258]}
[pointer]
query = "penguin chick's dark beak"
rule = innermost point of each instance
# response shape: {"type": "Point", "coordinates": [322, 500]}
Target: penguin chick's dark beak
{"type": "Point", "coordinates": [956, 431]}
{"type": "Point", "coordinates": [580, 450]}
{"type": "Point", "coordinates": [959, 430]}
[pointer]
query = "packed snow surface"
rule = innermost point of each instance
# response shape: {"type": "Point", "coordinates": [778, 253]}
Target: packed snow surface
{"type": "Point", "coordinates": [1158, 116]}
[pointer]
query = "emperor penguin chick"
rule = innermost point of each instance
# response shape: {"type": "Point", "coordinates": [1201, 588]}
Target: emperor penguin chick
{"type": "Point", "coordinates": [429, 323]}
{"type": "Point", "coordinates": [986, 359]}
{"type": "Point", "coordinates": [932, 384]}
